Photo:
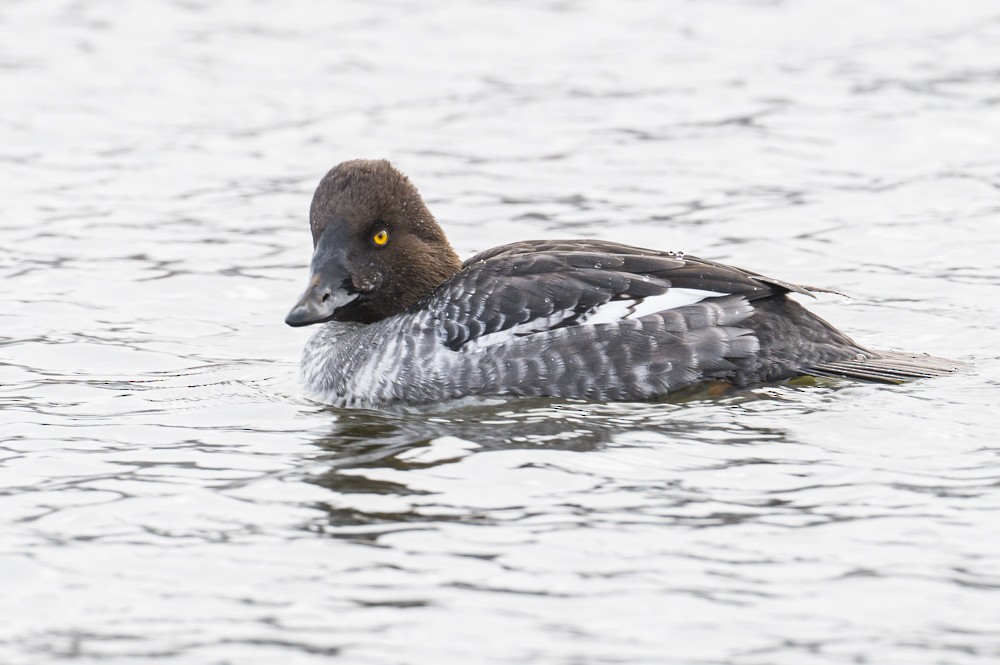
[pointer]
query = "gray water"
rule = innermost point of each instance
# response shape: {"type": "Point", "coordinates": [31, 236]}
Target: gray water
{"type": "Point", "coordinates": [168, 496]}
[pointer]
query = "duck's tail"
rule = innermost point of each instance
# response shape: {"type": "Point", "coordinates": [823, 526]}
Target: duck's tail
{"type": "Point", "coordinates": [888, 367]}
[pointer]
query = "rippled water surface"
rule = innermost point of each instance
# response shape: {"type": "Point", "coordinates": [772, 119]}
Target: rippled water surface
{"type": "Point", "coordinates": [168, 496]}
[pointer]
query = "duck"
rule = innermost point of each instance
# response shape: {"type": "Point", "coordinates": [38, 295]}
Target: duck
{"type": "Point", "coordinates": [402, 320]}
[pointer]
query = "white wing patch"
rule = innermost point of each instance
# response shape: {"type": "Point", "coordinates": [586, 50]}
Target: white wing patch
{"type": "Point", "coordinates": [616, 310]}
{"type": "Point", "coordinates": [536, 325]}
{"type": "Point", "coordinates": [609, 312]}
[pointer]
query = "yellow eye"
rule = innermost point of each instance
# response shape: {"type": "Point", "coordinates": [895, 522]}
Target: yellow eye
{"type": "Point", "coordinates": [381, 237]}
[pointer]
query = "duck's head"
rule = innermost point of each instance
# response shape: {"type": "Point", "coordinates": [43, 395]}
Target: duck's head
{"type": "Point", "coordinates": [376, 247]}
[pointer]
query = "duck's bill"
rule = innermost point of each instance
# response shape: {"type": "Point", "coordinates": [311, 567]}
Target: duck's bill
{"type": "Point", "coordinates": [318, 304]}
{"type": "Point", "coordinates": [330, 287]}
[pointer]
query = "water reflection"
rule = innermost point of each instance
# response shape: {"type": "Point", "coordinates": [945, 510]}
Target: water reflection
{"type": "Point", "coordinates": [400, 455]}
{"type": "Point", "coordinates": [361, 437]}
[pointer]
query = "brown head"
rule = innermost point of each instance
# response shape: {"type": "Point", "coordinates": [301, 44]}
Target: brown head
{"type": "Point", "coordinates": [376, 247]}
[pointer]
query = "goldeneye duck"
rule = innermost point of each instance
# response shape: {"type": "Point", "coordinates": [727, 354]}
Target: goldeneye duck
{"type": "Point", "coordinates": [405, 321]}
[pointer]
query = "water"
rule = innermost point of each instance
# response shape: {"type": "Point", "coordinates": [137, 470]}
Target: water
{"type": "Point", "coordinates": [167, 495]}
